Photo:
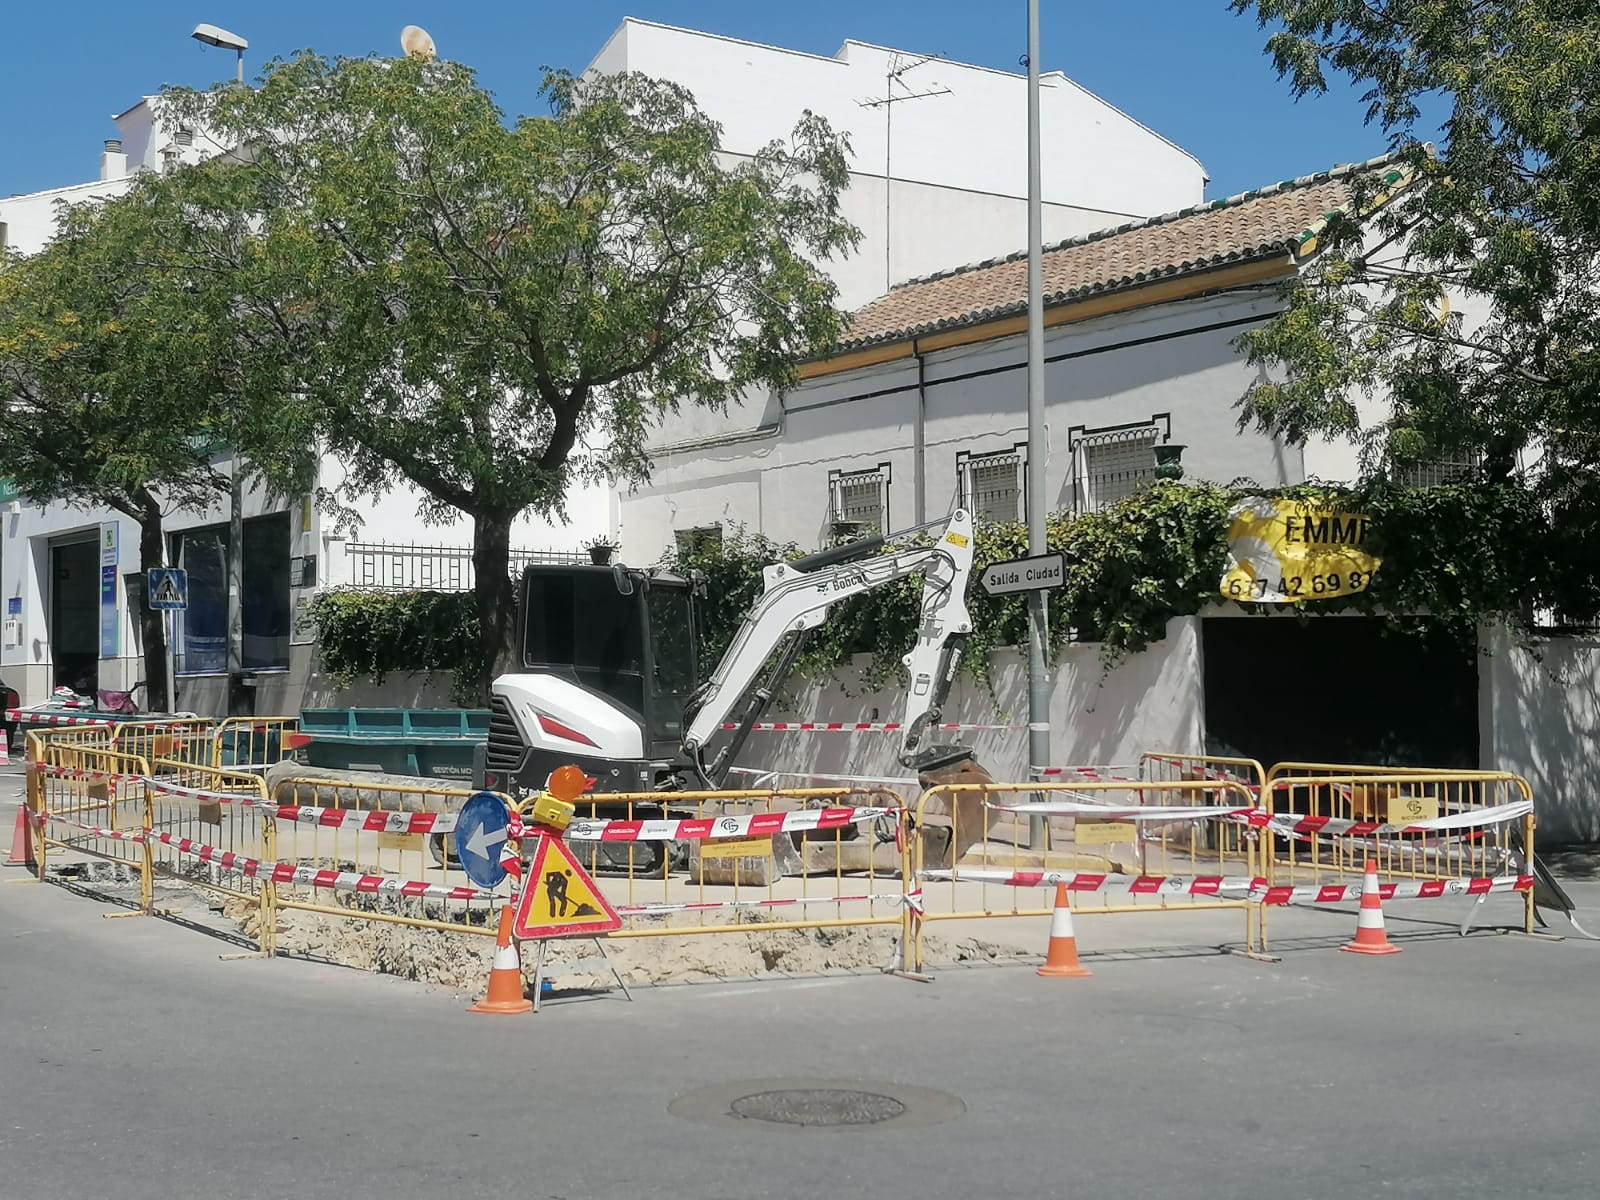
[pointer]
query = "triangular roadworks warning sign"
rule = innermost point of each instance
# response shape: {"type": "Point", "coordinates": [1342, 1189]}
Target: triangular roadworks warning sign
{"type": "Point", "coordinates": [559, 899]}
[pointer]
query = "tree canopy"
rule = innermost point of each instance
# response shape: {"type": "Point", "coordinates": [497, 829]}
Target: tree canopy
{"type": "Point", "coordinates": [1472, 300]}
{"type": "Point", "coordinates": [489, 310]}
{"type": "Point", "coordinates": [125, 382]}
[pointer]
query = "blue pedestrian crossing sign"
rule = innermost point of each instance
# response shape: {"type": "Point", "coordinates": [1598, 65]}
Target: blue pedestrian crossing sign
{"type": "Point", "coordinates": [481, 828]}
{"type": "Point", "coordinates": [168, 588]}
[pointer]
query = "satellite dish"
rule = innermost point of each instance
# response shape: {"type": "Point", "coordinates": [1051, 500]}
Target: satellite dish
{"type": "Point", "coordinates": [416, 43]}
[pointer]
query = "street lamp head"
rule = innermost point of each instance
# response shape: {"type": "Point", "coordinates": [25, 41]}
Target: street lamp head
{"type": "Point", "coordinates": [213, 35]}
{"type": "Point", "coordinates": [416, 43]}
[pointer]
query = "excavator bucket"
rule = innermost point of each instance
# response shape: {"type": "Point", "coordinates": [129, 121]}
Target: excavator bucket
{"type": "Point", "coordinates": [943, 846]}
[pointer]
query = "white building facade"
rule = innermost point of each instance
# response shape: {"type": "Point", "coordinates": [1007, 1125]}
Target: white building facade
{"type": "Point", "coordinates": [925, 406]}
{"type": "Point", "coordinates": [953, 191]}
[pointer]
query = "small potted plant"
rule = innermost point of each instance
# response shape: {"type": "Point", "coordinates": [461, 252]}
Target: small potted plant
{"type": "Point", "coordinates": [1169, 461]}
{"type": "Point", "coordinates": [600, 547]}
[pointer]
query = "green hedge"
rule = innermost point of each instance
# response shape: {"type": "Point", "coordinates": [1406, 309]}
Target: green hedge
{"type": "Point", "coordinates": [367, 635]}
{"type": "Point", "coordinates": [1453, 556]}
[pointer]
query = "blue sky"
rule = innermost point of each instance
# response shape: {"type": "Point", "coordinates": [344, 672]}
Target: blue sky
{"type": "Point", "coordinates": [1186, 68]}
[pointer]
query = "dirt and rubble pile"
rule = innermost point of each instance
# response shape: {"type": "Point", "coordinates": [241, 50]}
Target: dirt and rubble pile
{"type": "Point", "coordinates": [462, 961]}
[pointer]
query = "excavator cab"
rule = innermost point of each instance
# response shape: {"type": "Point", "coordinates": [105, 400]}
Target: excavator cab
{"type": "Point", "coordinates": [609, 655]}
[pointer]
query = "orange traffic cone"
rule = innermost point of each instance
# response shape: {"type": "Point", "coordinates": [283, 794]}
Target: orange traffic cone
{"type": "Point", "coordinates": [22, 841]}
{"type": "Point", "coordinates": [1370, 935]}
{"type": "Point", "coordinates": [505, 975]}
{"type": "Point", "coordinates": [1061, 958]}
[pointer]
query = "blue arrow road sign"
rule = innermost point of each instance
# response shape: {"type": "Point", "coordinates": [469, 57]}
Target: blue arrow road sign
{"type": "Point", "coordinates": [168, 588]}
{"type": "Point", "coordinates": [480, 833]}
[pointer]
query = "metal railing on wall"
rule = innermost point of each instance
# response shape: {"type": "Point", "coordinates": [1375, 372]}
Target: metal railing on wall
{"type": "Point", "coordinates": [388, 566]}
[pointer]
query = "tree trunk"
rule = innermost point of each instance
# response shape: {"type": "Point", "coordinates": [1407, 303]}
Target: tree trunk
{"type": "Point", "coordinates": [152, 624]}
{"type": "Point", "coordinates": [497, 598]}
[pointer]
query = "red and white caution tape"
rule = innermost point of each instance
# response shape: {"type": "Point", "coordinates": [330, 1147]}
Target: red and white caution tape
{"type": "Point", "coordinates": [1092, 881]}
{"type": "Point", "coordinates": [136, 835]}
{"type": "Point", "coordinates": [342, 881]}
{"type": "Point", "coordinates": [25, 716]}
{"type": "Point", "coordinates": [56, 772]}
{"type": "Point", "coordinates": [864, 727]}
{"type": "Point", "coordinates": [1404, 889]}
{"type": "Point", "coordinates": [1105, 812]}
{"type": "Point", "coordinates": [1203, 770]}
{"type": "Point", "coordinates": [710, 828]}
{"type": "Point", "coordinates": [1241, 886]}
{"type": "Point", "coordinates": [1093, 774]}
{"type": "Point", "coordinates": [361, 820]}
{"type": "Point", "coordinates": [660, 910]}
{"type": "Point", "coordinates": [1295, 824]}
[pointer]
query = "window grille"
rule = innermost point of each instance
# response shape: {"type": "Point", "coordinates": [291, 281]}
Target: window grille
{"type": "Point", "coordinates": [1435, 472]}
{"type": "Point", "coordinates": [1112, 464]}
{"type": "Point", "coordinates": [858, 504]}
{"type": "Point", "coordinates": [386, 566]}
{"type": "Point", "coordinates": [992, 484]}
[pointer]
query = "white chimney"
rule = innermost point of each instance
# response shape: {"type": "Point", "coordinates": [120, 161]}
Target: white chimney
{"type": "Point", "coordinates": [113, 162]}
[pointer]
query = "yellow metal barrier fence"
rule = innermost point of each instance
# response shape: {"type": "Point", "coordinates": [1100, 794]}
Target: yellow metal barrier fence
{"type": "Point", "coordinates": [209, 828]}
{"type": "Point", "coordinates": [969, 861]}
{"type": "Point", "coordinates": [319, 832]}
{"type": "Point", "coordinates": [1415, 823]}
{"type": "Point", "coordinates": [707, 862]}
{"type": "Point", "coordinates": [252, 743]}
{"type": "Point", "coordinates": [89, 800]}
{"type": "Point", "coordinates": [176, 739]}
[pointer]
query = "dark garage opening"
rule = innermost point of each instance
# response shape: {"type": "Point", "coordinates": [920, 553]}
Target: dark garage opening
{"type": "Point", "coordinates": [75, 615]}
{"type": "Point", "coordinates": [1338, 690]}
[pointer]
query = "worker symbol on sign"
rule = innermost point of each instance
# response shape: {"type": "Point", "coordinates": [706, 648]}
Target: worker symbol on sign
{"type": "Point", "coordinates": [573, 902]}
{"type": "Point", "coordinates": [555, 888]}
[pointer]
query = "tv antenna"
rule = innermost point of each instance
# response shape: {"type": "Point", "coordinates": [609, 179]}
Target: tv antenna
{"type": "Point", "coordinates": [899, 67]}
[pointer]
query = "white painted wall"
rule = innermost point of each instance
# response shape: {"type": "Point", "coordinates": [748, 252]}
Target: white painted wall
{"type": "Point", "coordinates": [28, 530]}
{"type": "Point", "coordinates": [972, 139]}
{"type": "Point", "coordinates": [955, 171]}
{"type": "Point", "coordinates": [31, 220]}
{"type": "Point", "coordinates": [1152, 701]}
{"type": "Point", "coordinates": [1174, 358]}
{"type": "Point", "coordinates": [1539, 702]}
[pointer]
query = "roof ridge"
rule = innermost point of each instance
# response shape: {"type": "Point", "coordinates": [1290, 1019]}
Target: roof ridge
{"type": "Point", "coordinates": [1339, 171]}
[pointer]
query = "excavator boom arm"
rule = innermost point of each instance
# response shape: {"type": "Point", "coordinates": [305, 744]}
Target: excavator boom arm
{"type": "Point", "coordinates": [796, 599]}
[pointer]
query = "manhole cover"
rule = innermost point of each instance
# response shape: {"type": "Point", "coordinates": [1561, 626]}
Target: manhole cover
{"type": "Point", "coordinates": [818, 1106]}
{"type": "Point", "coordinates": [821, 1105]}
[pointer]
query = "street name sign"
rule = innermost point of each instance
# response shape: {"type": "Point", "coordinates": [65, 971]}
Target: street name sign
{"type": "Point", "coordinates": [1036, 574]}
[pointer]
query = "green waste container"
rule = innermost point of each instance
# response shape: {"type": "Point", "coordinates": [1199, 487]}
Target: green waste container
{"type": "Point", "coordinates": [436, 743]}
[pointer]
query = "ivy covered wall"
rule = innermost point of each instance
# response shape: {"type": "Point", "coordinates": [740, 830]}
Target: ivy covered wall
{"type": "Point", "coordinates": [1454, 556]}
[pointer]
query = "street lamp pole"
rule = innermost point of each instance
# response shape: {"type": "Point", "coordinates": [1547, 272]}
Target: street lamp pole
{"type": "Point", "coordinates": [237, 703]}
{"type": "Point", "coordinates": [1038, 611]}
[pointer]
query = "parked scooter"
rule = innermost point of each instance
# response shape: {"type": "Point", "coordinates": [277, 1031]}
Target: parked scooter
{"type": "Point", "coordinates": [104, 700]}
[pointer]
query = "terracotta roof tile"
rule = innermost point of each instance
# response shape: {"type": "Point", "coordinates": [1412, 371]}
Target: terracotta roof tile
{"type": "Point", "coordinates": [1244, 228]}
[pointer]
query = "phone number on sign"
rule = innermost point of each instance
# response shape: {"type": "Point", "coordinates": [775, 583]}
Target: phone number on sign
{"type": "Point", "coordinates": [1300, 585]}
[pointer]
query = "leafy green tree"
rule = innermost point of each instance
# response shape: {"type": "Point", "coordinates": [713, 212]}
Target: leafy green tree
{"type": "Point", "coordinates": [1473, 299]}
{"type": "Point", "coordinates": [106, 404]}
{"type": "Point", "coordinates": [489, 311]}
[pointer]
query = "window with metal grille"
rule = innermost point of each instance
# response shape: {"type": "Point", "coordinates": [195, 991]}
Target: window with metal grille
{"type": "Point", "coordinates": [858, 501]}
{"type": "Point", "coordinates": [1435, 472]}
{"type": "Point", "coordinates": [992, 484]}
{"type": "Point", "coordinates": [1113, 463]}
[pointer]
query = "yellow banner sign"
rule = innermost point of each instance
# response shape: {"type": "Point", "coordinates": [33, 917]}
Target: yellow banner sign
{"type": "Point", "coordinates": [1283, 551]}
{"type": "Point", "coordinates": [1403, 810]}
{"type": "Point", "coordinates": [760, 847]}
{"type": "Point", "coordinates": [1103, 833]}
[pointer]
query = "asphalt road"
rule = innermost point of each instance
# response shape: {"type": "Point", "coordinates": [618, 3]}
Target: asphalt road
{"type": "Point", "coordinates": [136, 1064]}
